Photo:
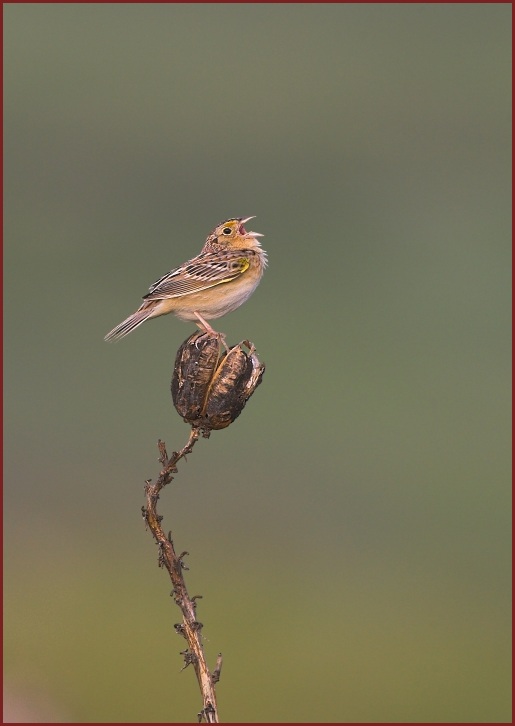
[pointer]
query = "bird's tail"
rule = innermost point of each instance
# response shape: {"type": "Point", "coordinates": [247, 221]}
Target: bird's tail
{"type": "Point", "coordinates": [130, 323]}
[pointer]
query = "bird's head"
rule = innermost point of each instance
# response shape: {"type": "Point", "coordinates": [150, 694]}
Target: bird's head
{"type": "Point", "coordinates": [232, 233]}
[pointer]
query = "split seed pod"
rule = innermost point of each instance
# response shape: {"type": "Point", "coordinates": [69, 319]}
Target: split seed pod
{"type": "Point", "coordinates": [210, 388]}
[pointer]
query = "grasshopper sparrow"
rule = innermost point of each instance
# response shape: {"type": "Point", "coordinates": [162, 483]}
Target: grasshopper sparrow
{"type": "Point", "coordinates": [215, 282]}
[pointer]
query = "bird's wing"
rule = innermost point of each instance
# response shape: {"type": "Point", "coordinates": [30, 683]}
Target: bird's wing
{"type": "Point", "coordinates": [206, 270]}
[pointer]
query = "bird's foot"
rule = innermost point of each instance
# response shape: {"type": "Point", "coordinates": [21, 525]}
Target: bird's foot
{"type": "Point", "coordinates": [209, 331]}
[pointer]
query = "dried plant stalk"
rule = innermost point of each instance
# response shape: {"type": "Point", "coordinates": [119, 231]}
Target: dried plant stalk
{"type": "Point", "coordinates": [190, 628]}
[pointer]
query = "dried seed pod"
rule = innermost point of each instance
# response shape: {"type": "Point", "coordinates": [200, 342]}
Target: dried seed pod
{"type": "Point", "coordinates": [192, 373]}
{"type": "Point", "coordinates": [209, 387]}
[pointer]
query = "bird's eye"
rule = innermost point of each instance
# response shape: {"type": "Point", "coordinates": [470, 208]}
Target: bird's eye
{"type": "Point", "coordinates": [227, 230]}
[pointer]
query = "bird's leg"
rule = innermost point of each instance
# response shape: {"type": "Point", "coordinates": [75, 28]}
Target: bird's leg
{"type": "Point", "coordinates": [204, 325]}
{"type": "Point", "coordinates": [208, 330]}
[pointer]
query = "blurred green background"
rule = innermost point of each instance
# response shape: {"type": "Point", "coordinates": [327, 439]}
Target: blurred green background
{"type": "Point", "coordinates": [350, 534]}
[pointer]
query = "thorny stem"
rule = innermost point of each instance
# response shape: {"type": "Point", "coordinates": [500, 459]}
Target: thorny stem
{"type": "Point", "coordinates": [190, 628]}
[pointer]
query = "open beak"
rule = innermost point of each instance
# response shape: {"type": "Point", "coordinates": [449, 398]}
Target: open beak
{"type": "Point", "coordinates": [249, 234]}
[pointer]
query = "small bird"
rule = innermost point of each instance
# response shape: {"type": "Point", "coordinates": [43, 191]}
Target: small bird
{"type": "Point", "coordinates": [214, 283]}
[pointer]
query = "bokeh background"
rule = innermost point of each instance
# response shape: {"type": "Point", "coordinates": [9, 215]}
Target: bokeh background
{"type": "Point", "coordinates": [350, 533]}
